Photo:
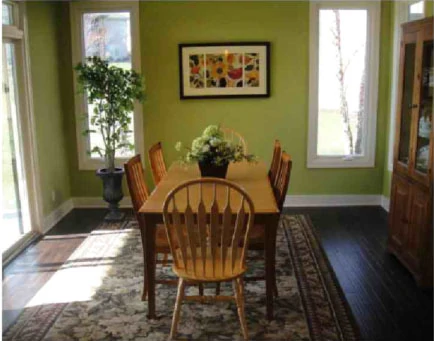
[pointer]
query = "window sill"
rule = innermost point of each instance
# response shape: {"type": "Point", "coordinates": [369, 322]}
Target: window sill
{"type": "Point", "coordinates": [340, 162]}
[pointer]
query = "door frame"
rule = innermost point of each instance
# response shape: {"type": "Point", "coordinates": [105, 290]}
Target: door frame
{"type": "Point", "coordinates": [19, 34]}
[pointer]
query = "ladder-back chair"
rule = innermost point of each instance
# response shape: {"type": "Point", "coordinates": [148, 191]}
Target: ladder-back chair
{"type": "Point", "coordinates": [234, 137]}
{"type": "Point", "coordinates": [280, 188]}
{"type": "Point", "coordinates": [156, 160]}
{"type": "Point", "coordinates": [275, 162]}
{"type": "Point", "coordinates": [139, 194]}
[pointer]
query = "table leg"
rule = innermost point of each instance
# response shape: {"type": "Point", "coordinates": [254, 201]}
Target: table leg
{"type": "Point", "coordinates": [270, 261]}
{"type": "Point", "coordinates": [148, 242]}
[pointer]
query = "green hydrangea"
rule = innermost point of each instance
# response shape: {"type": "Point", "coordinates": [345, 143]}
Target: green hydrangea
{"type": "Point", "coordinates": [213, 131]}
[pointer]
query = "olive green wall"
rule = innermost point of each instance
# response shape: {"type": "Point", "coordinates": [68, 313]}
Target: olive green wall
{"type": "Point", "coordinates": [163, 25]}
{"type": "Point", "coordinates": [45, 56]}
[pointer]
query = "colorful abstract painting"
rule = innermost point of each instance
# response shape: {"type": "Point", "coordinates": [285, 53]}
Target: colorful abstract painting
{"type": "Point", "coordinates": [251, 69]}
{"type": "Point", "coordinates": [224, 70]}
{"type": "Point", "coordinates": [214, 70]}
{"type": "Point", "coordinates": [197, 74]}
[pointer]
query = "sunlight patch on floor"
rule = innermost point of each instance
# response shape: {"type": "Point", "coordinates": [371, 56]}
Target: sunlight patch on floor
{"type": "Point", "coordinates": [83, 273]}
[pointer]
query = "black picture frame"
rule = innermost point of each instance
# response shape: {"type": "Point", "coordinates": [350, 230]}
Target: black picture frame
{"type": "Point", "coordinates": [246, 90]}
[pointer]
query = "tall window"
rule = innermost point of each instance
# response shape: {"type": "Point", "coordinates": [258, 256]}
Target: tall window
{"type": "Point", "coordinates": [110, 31]}
{"type": "Point", "coordinates": [404, 11]}
{"type": "Point", "coordinates": [343, 84]}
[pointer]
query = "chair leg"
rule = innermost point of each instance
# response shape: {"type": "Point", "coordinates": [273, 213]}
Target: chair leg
{"type": "Point", "coordinates": [201, 289]}
{"type": "Point", "coordinates": [217, 289]}
{"type": "Point", "coordinates": [239, 299]}
{"type": "Point", "coordinates": [177, 310]}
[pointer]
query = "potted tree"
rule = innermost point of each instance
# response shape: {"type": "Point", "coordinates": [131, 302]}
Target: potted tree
{"type": "Point", "coordinates": [112, 92]}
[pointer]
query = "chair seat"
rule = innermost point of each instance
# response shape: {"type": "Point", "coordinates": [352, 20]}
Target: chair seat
{"type": "Point", "coordinates": [204, 272]}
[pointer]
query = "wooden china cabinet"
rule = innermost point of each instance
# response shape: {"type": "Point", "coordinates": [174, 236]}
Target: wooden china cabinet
{"type": "Point", "coordinates": [411, 205]}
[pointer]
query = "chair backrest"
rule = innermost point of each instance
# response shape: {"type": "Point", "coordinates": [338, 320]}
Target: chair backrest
{"type": "Point", "coordinates": [156, 160]}
{"type": "Point", "coordinates": [282, 181]}
{"type": "Point", "coordinates": [275, 162]}
{"type": "Point", "coordinates": [207, 221]}
{"type": "Point", "coordinates": [136, 182]}
{"type": "Point", "coordinates": [235, 137]}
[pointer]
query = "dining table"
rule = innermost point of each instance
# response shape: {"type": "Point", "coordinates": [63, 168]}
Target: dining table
{"type": "Point", "coordinates": [252, 177]}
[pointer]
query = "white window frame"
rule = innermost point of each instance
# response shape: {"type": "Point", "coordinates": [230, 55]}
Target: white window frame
{"type": "Point", "coordinates": [18, 33]}
{"type": "Point", "coordinates": [401, 15]}
{"type": "Point", "coordinates": [77, 9]}
{"type": "Point", "coordinates": [372, 61]}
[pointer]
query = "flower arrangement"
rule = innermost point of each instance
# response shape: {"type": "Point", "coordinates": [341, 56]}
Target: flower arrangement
{"type": "Point", "coordinates": [212, 150]}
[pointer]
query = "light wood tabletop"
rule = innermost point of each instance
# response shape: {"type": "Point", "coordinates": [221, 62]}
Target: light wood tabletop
{"type": "Point", "coordinates": [252, 177]}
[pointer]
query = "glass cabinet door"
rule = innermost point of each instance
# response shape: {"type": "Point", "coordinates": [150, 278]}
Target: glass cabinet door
{"type": "Point", "coordinates": [407, 102]}
{"type": "Point", "coordinates": [425, 118]}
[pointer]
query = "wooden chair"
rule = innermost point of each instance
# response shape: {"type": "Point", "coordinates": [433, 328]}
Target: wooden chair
{"type": "Point", "coordinates": [235, 137]}
{"type": "Point", "coordinates": [139, 194]}
{"type": "Point", "coordinates": [280, 188]}
{"type": "Point", "coordinates": [282, 181]}
{"type": "Point", "coordinates": [205, 239]}
{"type": "Point", "coordinates": [156, 160]}
{"type": "Point", "coordinates": [275, 162]}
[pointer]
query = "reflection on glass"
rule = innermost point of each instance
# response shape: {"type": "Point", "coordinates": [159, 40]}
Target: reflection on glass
{"type": "Point", "coordinates": [426, 110]}
{"type": "Point", "coordinates": [341, 82]}
{"type": "Point", "coordinates": [407, 103]}
{"type": "Point", "coordinates": [15, 219]}
{"type": "Point", "coordinates": [108, 35]}
{"type": "Point", "coordinates": [7, 18]}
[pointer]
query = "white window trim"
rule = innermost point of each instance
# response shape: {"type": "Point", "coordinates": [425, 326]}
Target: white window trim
{"type": "Point", "coordinates": [19, 34]}
{"type": "Point", "coordinates": [401, 14]}
{"type": "Point", "coordinates": [372, 61]}
{"type": "Point", "coordinates": [77, 9]}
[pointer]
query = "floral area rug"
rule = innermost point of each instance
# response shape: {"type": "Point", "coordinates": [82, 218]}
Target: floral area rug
{"type": "Point", "coordinates": [96, 295]}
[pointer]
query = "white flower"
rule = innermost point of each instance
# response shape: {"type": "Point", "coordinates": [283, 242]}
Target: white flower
{"type": "Point", "coordinates": [178, 146]}
{"type": "Point", "coordinates": [205, 148]}
{"type": "Point", "coordinates": [214, 142]}
{"type": "Point", "coordinates": [197, 144]}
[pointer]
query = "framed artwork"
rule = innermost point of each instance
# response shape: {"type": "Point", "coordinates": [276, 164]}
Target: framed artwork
{"type": "Point", "coordinates": [224, 70]}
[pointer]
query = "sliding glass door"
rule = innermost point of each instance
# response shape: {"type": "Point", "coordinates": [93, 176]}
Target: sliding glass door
{"type": "Point", "coordinates": [20, 199]}
{"type": "Point", "coordinates": [14, 199]}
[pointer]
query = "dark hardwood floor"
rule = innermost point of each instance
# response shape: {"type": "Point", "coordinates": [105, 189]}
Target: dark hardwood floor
{"type": "Point", "coordinates": [382, 294]}
{"type": "Point", "coordinates": [387, 304]}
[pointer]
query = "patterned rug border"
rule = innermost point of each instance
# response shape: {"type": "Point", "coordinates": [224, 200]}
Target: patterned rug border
{"type": "Point", "coordinates": [344, 317]}
{"type": "Point", "coordinates": [45, 316]}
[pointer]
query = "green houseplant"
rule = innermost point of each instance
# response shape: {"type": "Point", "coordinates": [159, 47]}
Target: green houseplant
{"type": "Point", "coordinates": [112, 91]}
{"type": "Point", "coordinates": [213, 152]}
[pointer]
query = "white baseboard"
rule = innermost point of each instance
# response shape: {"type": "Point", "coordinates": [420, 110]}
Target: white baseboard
{"type": "Point", "coordinates": [98, 202]}
{"type": "Point", "coordinates": [57, 214]}
{"type": "Point", "coordinates": [385, 203]}
{"type": "Point", "coordinates": [332, 200]}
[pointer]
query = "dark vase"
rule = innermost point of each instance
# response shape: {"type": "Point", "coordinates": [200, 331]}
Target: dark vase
{"type": "Point", "coordinates": [112, 191]}
{"type": "Point", "coordinates": [210, 170]}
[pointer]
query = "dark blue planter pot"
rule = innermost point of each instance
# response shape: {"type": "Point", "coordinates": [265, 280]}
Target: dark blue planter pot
{"type": "Point", "coordinates": [112, 191]}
